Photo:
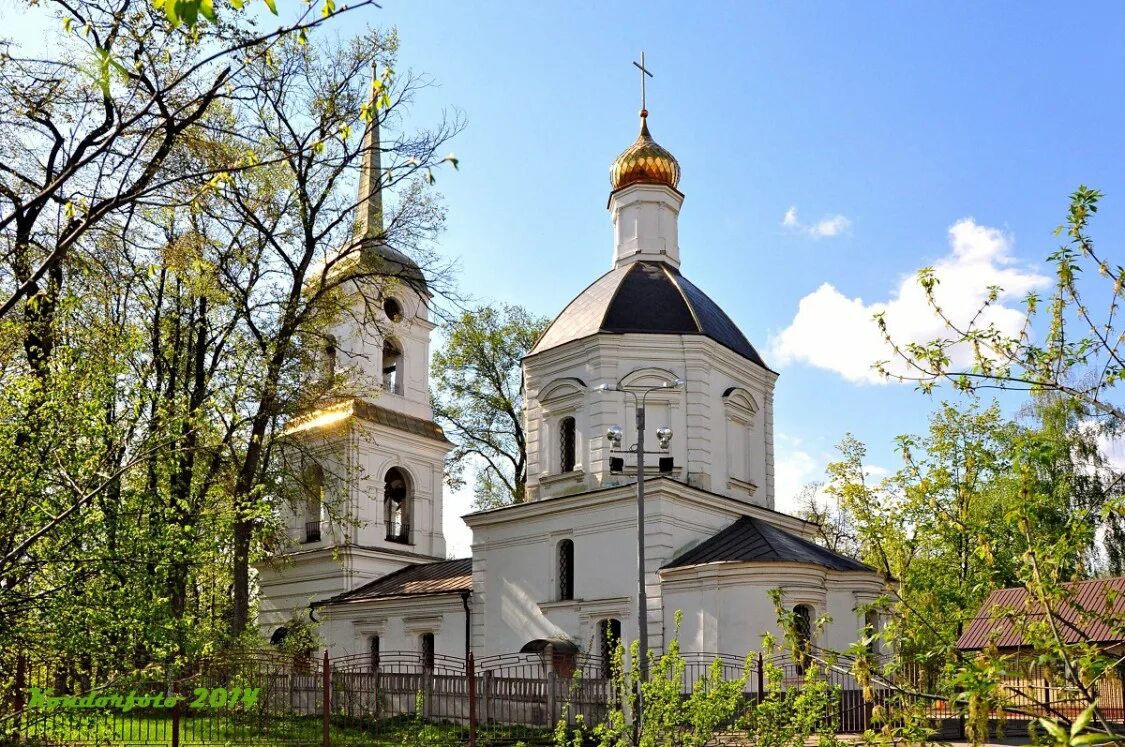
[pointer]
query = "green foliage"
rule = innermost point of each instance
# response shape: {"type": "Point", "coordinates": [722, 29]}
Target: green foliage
{"type": "Point", "coordinates": [191, 12]}
{"type": "Point", "coordinates": [943, 525]}
{"type": "Point", "coordinates": [983, 503]}
{"type": "Point", "coordinates": [479, 398]}
{"type": "Point", "coordinates": [155, 347]}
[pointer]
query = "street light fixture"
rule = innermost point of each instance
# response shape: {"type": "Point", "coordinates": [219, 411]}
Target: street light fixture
{"type": "Point", "coordinates": [664, 437]}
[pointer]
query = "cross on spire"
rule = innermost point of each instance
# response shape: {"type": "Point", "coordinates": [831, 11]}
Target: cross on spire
{"type": "Point", "coordinates": [644, 71]}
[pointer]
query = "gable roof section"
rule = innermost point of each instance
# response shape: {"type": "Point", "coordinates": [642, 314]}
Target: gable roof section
{"type": "Point", "coordinates": [750, 540]}
{"type": "Point", "coordinates": [419, 579]}
{"type": "Point", "coordinates": [1095, 612]}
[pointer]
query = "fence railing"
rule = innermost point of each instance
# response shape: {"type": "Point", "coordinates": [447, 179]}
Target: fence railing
{"type": "Point", "coordinates": [284, 700]}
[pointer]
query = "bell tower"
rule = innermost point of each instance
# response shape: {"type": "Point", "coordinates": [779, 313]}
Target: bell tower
{"type": "Point", "coordinates": [369, 462]}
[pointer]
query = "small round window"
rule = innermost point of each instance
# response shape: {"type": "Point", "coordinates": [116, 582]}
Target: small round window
{"type": "Point", "coordinates": [393, 309]}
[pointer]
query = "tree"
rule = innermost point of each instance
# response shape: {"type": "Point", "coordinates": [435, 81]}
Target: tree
{"type": "Point", "coordinates": [97, 136]}
{"type": "Point", "coordinates": [146, 390]}
{"type": "Point", "coordinates": [835, 528]}
{"type": "Point", "coordinates": [300, 264]}
{"type": "Point", "coordinates": [479, 399]}
{"type": "Point", "coordinates": [980, 503]}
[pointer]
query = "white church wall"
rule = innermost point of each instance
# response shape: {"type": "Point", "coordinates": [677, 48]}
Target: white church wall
{"type": "Point", "coordinates": [516, 568]}
{"type": "Point", "coordinates": [398, 623]}
{"type": "Point", "coordinates": [699, 447]}
{"type": "Point", "coordinates": [290, 585]}
{"type": "Point", "coordinates": [727, 608]}
{"type": "Point", "coordinates": [379, 449]}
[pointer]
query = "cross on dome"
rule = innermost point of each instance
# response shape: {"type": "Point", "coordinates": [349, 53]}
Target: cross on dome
{"type": "Point", "coordinates": [644, 162]}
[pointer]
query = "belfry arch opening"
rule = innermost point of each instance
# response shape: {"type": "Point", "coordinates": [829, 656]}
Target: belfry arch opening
{"type": "Point", "coordinates": [392, 367]}
{"type": "Point", "coordinates": [397, 502]}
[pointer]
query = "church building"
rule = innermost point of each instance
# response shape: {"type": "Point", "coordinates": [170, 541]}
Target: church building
{"type": "Point", "coordinates": [561, 568]}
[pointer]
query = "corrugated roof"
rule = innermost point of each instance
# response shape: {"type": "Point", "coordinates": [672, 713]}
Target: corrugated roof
{"type": "Point", "coordinates": [645, 298]}
{"type": "Point", "coordinates": [420, 579]}
{"type": "Point", "coordinates": [1094, 612]}
{"type": "Point", "coordinates": [753, 540]}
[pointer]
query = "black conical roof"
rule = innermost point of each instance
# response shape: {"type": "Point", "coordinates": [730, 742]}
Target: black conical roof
{"type": "Point", "coordinates": [645, 298]}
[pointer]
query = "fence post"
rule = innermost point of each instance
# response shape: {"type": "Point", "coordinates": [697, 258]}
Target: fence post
{"type": "Point", "coordinates": [486, 695]}
{"type": "Point", "coordinates": [176, 723]}
{"type": "Point", "coordinates": [470, 669]}
{"type": "Point", "coordinates": [326, 699]}
{"type": "Point", "coordinates": [427, 692]}
{"type": "Point", "coordinates": [761, 680]}
{"type": "Point", "coordinates": [21, 686]}
{"type": "Point", "coordinates": [549, 652]}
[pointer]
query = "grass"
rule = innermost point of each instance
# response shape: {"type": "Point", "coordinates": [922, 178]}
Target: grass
{"type": "Point", "coordinates": [72, 728]}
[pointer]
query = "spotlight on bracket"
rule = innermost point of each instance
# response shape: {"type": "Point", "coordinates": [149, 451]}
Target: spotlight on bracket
{"type": "Point", "coordinates": [614, 434]}
{"type": "Point", "coordinates": [664, 436]}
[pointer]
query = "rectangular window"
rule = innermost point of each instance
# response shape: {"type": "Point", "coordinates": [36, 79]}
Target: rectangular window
{"type": "Point", "coordinates": [567, 445]}
{"type": "Point", "coordinates": [428, 650]}
{"type": "Point", "coordinates": [566, 570]}
{"type": "Point", "coordinates": [609, 633]}
{"type": "Point", "coordinates": [373, 650]}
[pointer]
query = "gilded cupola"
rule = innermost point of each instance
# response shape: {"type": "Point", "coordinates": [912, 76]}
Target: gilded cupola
{"type": "Point", "coordinates": [644, 162]}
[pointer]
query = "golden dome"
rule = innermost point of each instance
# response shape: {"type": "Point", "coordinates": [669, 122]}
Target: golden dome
{"type": "Point", "coordinates": [644, 162]}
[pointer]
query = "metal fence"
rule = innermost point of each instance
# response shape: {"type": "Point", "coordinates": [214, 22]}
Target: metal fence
{"type": "Point", "coordinates": [391, 697]}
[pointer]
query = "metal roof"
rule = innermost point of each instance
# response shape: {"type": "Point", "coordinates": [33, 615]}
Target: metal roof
{"type": "Point", "coordinates": [646, 298]}
{"type": "Point", "coordinates": [399, 421]}
{"type": "Point", "coordinates": [419, 579]}
{"type": "Point", "coordinates": [1094, 611]}
{"type": "Point", "coordinates": [750, 540]}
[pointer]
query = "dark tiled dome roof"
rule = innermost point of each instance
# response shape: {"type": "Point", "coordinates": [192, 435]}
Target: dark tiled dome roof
{"type": "Point", "coordinates": [645, 298]}
{"type": "Point", "coordinates": [750, 540]}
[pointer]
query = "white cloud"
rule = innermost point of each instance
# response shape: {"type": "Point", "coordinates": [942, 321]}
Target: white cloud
{"type": "Point", "coordinates": [826, 227]}
{"type": "Point", "coordinates": [835, 332]}
{"type": "Point", "coordinates": [795, 467]}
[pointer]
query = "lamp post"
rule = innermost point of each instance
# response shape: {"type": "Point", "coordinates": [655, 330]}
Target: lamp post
{"type": "Point", "coordinates": [664, 435]}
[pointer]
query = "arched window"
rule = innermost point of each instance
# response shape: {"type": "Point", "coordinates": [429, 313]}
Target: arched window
{"type": "Point", "coordinates": [396, 505]}
{"type": "Point", "coordinates": [803, 623]}
{"type": "Point", "coordinates": [566, 570]}
{"type": "Point", "coordinates": [392, 367]}
{"type": "Point", "coordinates": [609, 633]}
{"type": "Point", "coordinates": [803, 614]}
{"type": "Point", "coordinates": [314, 501]}
{"type": "Point", "coordinates": [566, 444]}
{"type": "Point", "coordinates": [427, 642]}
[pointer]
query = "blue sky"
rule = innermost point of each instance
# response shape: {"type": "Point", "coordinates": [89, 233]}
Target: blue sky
{"type": "Point", "coordinates": [904, 119]}
{"type": "Point", "coordinates": [882, 126]}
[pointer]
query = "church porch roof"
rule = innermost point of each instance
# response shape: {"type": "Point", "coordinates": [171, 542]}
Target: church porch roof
{"type": "Point", "coordinates": [419, 579]}
{"type": "Point", "coordinates": [752, 540]}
